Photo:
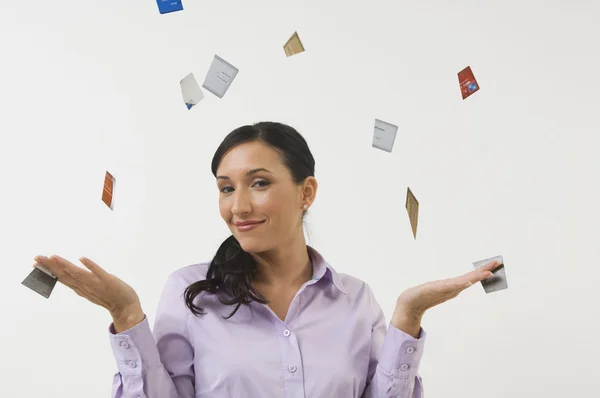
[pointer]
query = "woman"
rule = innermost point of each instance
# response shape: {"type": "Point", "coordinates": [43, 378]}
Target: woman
{"type": "Point", "coordinates": [268, 316]}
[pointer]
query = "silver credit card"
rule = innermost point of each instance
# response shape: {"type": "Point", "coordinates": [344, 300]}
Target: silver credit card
{"type": "Point", "coordinates": [498, 280]}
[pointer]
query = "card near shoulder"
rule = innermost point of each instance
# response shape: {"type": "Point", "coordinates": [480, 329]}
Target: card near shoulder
{"type": "Point", "coordinates": [167, 6]}
{"type": "Point", "coordinates": [219, 76]}
{"type": "Point", "coordinates": [498, 280]}
{"type": "Point", "coordinates": [384, 135]}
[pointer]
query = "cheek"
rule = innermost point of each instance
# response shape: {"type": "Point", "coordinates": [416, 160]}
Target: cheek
{"type": "Point", "coordinates": [225, 210]}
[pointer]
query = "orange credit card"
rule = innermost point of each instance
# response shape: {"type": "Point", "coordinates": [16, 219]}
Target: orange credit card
{"type": "Point", "coordinates": [468, 84]}
{"type": "Point", "coordinates": [108, 191]}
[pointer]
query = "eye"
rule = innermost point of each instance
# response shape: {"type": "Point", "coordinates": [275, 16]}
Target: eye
{"type": "Point", "coordinates": [262, 183]}
{"type": "Point", "coordinates": [224, 189]}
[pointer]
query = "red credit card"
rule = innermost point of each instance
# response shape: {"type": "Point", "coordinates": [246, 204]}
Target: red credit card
{"type": "Point", "coordinates": [468, 84]}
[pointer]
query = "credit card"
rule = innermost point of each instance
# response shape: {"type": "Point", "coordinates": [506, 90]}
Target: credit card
{"type": "Point", "coordinates": [219, 76]}
{"type": "Point", "coordinates": [191, 91]}
{"type": "Point", "coordinates": [167, 6]}
{"type": "Point", "coordinates": [498, 280]}
{"type": "Point", "coordinates": [468, 84]}
{"type": "Point", "coordinates": [108, 191]}
{"type": "Point", "coordinates": [412, 207]}
{"type": "Point", "coordinates": [41, 281]}
{"type": "Point", "coordinates": [384, 135]}
{"type": "Point", "coordinates": [293, 45]}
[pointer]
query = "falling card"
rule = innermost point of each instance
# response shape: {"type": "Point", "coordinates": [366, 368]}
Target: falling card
{"type": "Point", "coordinates": [166, 6]}
{"type": "Point", "coordinates": [41, 281]}
{"type": "Point", "coordinates": [496, 282]}
{"type": "Point", "coordinates": [219, 77]}
{"type": "Point", "coordinates": [468, 84]}
{"type": "Point", "coordinates": [108, 191]}
{"type": "Point", "coordinates": [412, 207]}
{"type": "Point", "coordinates": [191, 91]}
{"type": "Point", "coordinates": [384, 135]}
{"type": "Point", "coordinates": [293, 45]}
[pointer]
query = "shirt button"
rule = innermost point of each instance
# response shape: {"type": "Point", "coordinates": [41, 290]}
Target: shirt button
{"type": "Point", "coordinates": [410, 350]}
{"type": "Point", "coordinates": [404, 367]}
{"type": "Point", "coordinates": [286, 333]}
{"type": "Point", "coordinates": [124, 344]}
{"type": "Point", "coordinates": [132, 364]}
{"type": "Point", "coordinates": [293, 368]}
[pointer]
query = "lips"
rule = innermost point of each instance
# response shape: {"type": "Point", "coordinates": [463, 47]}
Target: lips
{"type": "Point", "coordinates": [246, 223]}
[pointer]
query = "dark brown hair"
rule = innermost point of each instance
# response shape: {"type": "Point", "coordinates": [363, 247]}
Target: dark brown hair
{"type": "Point", "coordinates": [232, 270]}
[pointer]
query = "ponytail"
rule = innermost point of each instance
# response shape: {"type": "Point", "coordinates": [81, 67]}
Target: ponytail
{"type": "Point", "coordinates": [229, 276]}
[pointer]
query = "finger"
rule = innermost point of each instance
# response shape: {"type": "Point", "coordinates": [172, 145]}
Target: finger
{"type": "Point", "coordinates": [482, 273]}
{"type": "Point", "coordinates": [79, 274]}
{"type": "Point", "coordinates": [92, 266]}
{"type": "Point", "coordinates": [55, 269]}
{"type": "Point", "coordinates": [491, 266]}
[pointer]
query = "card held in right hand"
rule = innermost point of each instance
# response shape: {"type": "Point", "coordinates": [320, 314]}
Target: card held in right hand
{"type": "Point", "coordinates": [41, 281]}
{"type": "Point", "coordinates": [496, 282]}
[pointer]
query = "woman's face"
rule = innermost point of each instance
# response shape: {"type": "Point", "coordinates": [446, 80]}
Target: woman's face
{"type": "Point", "coordinates": [256, 187]}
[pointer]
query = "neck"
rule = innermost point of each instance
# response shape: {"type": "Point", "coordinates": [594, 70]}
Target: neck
{"type": "Point", "coordinates": [287, 265]}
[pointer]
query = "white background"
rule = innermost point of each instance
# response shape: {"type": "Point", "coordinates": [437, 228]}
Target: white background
{"type": "Point", "coordinates": [90, 86]}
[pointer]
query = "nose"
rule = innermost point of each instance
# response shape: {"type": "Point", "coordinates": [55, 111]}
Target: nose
{"type": "Point", "coordinates": [241, 203]}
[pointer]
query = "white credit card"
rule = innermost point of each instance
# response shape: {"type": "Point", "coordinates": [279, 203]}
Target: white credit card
{"type": "Point", "coordinates": [219, 76]}
{"type": "Point", "coordinates": [191, 91]}
{"type": "Point", "coordinates": [384, 135]}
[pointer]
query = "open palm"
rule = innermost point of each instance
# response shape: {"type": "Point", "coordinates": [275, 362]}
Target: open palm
{"type": "Point", "coordinates": [419, 299]}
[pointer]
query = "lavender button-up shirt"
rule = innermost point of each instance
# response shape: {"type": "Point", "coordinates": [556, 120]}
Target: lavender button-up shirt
{"type": "Point", "coordinates": [332, 344]}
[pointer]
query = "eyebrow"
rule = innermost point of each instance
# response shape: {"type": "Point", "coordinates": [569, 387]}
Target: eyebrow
{"type": "Point", "coordinates": [253, 171]}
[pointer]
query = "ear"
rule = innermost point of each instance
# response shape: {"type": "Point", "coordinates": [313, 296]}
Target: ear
{"type": "Point", "coordinates": [309, 190]}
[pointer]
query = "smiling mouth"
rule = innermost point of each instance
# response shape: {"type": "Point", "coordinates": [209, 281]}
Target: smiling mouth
{"type": "Point", "coordinates": [247, 227]}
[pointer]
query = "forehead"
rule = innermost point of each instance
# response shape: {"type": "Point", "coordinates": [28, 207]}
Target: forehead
{"type": "Point", "coordinates": [250, 155]}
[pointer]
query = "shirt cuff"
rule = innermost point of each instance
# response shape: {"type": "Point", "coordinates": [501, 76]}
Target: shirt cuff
{"type": "Point", "coordinates": [401, 353]}
{"type": "Point", "coordinates": [134, 348]}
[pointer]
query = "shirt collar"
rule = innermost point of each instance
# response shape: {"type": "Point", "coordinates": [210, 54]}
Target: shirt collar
{"type": "Point", "coordinates": [322, 269]}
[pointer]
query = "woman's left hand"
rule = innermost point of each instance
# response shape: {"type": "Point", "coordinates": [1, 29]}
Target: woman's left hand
{"type": "Point", "coordinates": [413, 302]}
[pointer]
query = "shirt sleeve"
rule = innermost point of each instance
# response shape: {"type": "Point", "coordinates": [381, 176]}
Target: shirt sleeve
{"type": "Point", "coordinates": [158, 365]}
{"type": "Point", "coordinates": [395, 359]}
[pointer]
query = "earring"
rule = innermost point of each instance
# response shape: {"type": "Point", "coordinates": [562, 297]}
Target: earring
{"type": "Point", "coordinates": [305, 207]}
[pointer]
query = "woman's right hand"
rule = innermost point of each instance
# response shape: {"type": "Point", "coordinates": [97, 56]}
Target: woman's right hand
{"type": "Point", "coordinates": [97, 286]}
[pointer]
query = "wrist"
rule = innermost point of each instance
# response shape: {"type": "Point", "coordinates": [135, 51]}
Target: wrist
{"type": "Point", "coordinates": [127, 318]}
{"type": "Point", "coordinates": [407, 321]}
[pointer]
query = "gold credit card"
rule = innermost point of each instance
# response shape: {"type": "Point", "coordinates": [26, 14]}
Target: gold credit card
{"type": "Point", "coordinates": [412, 207]}
{"type": "Point", "coordinates": [293, 45]}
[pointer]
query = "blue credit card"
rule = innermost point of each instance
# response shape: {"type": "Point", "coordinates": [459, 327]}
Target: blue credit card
{"type": "Point", "coordinates": [166, 6]}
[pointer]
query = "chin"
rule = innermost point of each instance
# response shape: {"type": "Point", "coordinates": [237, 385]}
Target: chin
{"type": "Point", "coordinates": [253, 245]}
